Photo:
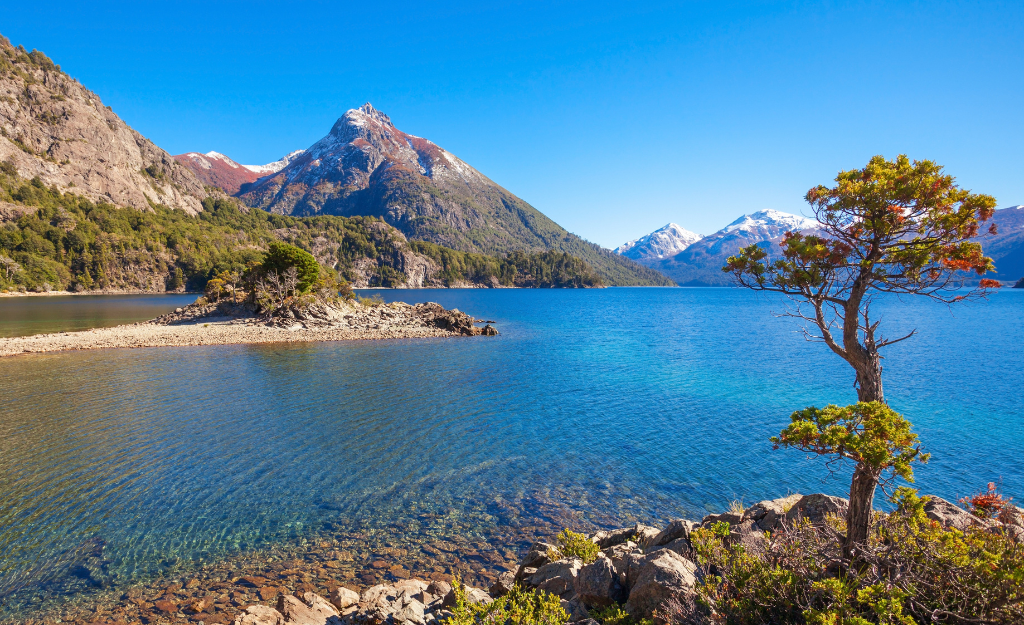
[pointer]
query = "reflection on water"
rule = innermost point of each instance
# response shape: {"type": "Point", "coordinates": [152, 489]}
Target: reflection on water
{"type": "Point", "coordinates": [22, 316]}
{"type": "Point", "coordinates": [589, 408]}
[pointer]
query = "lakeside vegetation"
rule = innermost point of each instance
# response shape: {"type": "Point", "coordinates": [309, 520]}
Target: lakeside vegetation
{"type": "Point", "coordinates": [902, 227]}
{"type": "Point", "coordinates": [64, 241]}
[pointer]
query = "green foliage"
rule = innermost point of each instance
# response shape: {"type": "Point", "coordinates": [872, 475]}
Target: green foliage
{"type": "Point", "coordinates": [615, 615]}
{"type": "Point", "coordinates": [897, 225]}
{"type": "Point", "coordinates": [915, 571]}
{"type": "Point", "coordinates": [875, 437]}
{"type": "Point", "coordinates": [518, 607]}
{"type": "Point", "coordinates": [870, 433]}
{"type": "Point", "coordinates": [537, 269]}
{"type": "Point", "coordinates": [70, 242]}
{"type": "Point", "coordinates": [575, 545]}
{"type": "Point", "coordinates": [281, 257]}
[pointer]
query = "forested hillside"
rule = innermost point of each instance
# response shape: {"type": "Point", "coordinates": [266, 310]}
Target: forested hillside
{"type": "Point", "coordinates": [55, 241]}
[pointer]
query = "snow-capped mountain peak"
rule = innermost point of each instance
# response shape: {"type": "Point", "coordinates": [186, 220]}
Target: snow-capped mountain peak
{"type": "Point", "coordinates": [272, 168]}
{"type": "Point", "coordinates": [662, 243]}
{"type": "Point", "coordinates": [771, 220]}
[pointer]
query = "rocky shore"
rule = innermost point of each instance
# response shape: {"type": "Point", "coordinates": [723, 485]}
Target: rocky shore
{"type": "Point", "coordinates": [635, 568]}
{"type": "Point", "coordinates": [227, 323]}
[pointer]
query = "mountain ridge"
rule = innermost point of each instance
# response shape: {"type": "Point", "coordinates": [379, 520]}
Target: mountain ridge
{"type": "Point", "coordinates": [367, 166]}
{"type": "Point", "coordinates": [664, 242]}
{"type": "Point", "coordinates": [700, 263]}
{"type": "Point", "coordinates": [218, 170]}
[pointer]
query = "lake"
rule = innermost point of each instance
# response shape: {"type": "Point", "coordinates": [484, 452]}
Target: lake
{"type": "Point", "coordinates": [591, 408]}
{"type": "Point", "coordinates": [26, 315]}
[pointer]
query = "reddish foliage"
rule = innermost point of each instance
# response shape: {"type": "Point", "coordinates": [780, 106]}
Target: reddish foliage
{"type": "Point", "coordinates": [986, 505]}
{"type": "Point", "coordinates": [990, 284]}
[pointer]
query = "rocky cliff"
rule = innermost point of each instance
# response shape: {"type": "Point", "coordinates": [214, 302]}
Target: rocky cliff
{"type": "Point", "coordinates": [54, 128]}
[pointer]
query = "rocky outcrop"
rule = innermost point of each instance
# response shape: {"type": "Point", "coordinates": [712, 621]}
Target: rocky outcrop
{"type": "Point", "coordinates": [54, 128]}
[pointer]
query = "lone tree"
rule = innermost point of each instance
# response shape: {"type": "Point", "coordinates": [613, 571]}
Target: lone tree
{"type": "Point", "coordinates": [892, 227]}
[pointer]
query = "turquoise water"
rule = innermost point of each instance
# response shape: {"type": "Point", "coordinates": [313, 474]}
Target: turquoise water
{"type": "Point", "coordinates": [611, 404]}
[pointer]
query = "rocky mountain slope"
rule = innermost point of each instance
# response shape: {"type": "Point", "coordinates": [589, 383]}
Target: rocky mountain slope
{"type": "Point", "coordinates": [217, 170]}
{"type": "Point", "coordinates": [53, 128]}
{"type": "Point", "coordinates": [366, 166]}
{"type": "Point", "coordinates": [662, 243]}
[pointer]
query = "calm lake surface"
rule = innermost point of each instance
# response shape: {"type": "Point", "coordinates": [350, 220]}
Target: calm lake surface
{"type": "Point", "coordinates": [22, 316]}
{"type": "Point", "coordinates": [614, 403]}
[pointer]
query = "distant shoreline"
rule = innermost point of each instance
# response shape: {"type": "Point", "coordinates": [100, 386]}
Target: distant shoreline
{"type": "Point", "coordinates": [208, 324]}
{"type": "Point", "coordinates": [104, 292]}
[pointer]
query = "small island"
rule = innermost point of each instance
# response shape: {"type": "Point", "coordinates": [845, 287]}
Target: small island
{"type": "Point", "coordinates": [285, 298]}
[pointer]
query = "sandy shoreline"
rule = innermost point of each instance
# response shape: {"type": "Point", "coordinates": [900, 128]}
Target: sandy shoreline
{"type": "Point", "coordinates": [211, 327]}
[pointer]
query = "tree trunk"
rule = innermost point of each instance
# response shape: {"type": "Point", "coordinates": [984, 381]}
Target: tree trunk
{"type": "Point", "coordinates": [869, 377]}
{"type": "Point", "coordinates": [858, 518]}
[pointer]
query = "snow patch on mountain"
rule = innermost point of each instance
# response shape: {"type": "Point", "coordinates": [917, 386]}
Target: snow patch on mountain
{"type": "Point", "coordinates": [276, 166]}
{"type": "Point", "coordinates": [662, 243]}
{"type": "Point", "coordinates": [770, 220]}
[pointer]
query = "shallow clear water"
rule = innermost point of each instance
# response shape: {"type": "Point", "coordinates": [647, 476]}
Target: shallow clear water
{"type": "Point", "coordinates": [612, 403]}
{"type": "Point", "coordinates": [22, 316]}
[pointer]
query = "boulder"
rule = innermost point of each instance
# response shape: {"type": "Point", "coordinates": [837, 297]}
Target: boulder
{"type": "Point", "coordinates": [597, 583]}
{"type": "Point", "coordinates": [260, 615]}
{"type": "Point", "coordinates": [770, 514]}
{"type": "Point", "coordinates": [379, 594]}
{"type": "Point", "coordinates": [557, 578]}
{"type": "Point", "coordinates": [536, 557]}
{"type": "Point", "coordinates": [618, 554]}
{"type": "Point", "coordinates": [749, 535]}
{"type": "Point", "coordinates": [681, 546]}
{"type": "Point", "coordinates": [478, 596]}
{"type": "Point", "coordinates": [644, 534]}
{"type": "Point", "coordinates": [311, 610]}
{"type": "Point", "coordinates": [503, 585]}
{"type": "Point", "coordinates": [679, 528]}
{"type": "Point", "coordinates": [731, 518]}
{"type": "Point", "coordinates": [411, 612]}
{"type": "Point", "coordinates": [439, 588]}
{"type": "Point", "coordinates": [609, 538]}
{"type": "Point", "coordinates": [660, 575]}
{"type": "Point", "coordinates": [343, 597]}
{"type": "Point", "coordinates": [949, 514]}
{"type": "Point", "coordinates": [473, 595]}
{"type": "Point", "coordinates": [575, 609]}
{"type": "Point", "coordinates": [816, 507]}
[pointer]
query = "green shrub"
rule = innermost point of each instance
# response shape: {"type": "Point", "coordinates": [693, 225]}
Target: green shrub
{"type": "Point", "coordinates": [518, 607]}
{"type": "Point", "coordinates": [615, 615]}
{"type": "Point", "coordinates": [912, 570]}
{"type": "Point", "coordinates": [574, 545]}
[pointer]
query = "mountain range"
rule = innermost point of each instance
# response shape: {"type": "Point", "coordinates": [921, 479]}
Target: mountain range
{"type": "Point", "coordinates": [216, 170]}
{"type": "Point", "coordinates": [695, 260]}
{"type": "Point", "coordinates": [365, 166]}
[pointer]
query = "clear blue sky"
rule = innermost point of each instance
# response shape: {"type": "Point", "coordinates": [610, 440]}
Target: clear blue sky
{"type": "Point", "coordinates": [613, 119]}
